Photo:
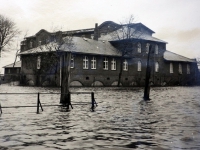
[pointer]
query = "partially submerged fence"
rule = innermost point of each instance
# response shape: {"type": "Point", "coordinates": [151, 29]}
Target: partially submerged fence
{"type": "Point", "coordinates": [39, 104]}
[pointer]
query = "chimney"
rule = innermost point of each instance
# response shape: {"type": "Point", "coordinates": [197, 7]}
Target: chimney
{"type": "Point", "coordinates": [96, 32]}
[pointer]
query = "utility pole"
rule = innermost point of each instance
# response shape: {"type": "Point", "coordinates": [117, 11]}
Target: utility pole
{"type": "Point", "coordinates": [148, 75]}
{"type": "Point", "coordinates": [65, 79]}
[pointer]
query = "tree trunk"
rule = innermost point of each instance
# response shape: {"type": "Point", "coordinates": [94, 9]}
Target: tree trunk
{"type": "Point", "coordinates": [148, 75]}
{"type": "Point", "coordinates": [65, 79]}
{"type": "Point", "coordinates": [55, 74]}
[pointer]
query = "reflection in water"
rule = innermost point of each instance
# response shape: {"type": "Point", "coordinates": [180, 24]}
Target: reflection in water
{"type": "Point", "coordinates": [122, 120]}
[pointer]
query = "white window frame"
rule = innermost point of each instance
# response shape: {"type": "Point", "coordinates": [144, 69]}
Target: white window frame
{"type": "Point", "coordinates": [171, 68]}
{"type": "Point", "coordinates": [139, 64]}
{"type": "Point", "coordinates": [180, 68]}
{"type": "Point", "coordinates": [105, 63]}
{"type": "Point", "coordinates": [113, 64]}
{"type": "Point", "coordinates": [156, 49]}
{"type": "Point", "coordinates": [85, 62]}
{"type": "Point", "coordinates": [125, 65]}
{"type": "Point", "coordinates": [188, 69]}
{"type": "Point", "coordinates": [72, 61]}
{"type": "Point", "coordinates": [147, 48]}
{"type": "Point", "coordinates": [156, 66]}
{"type": "Point", "coordinates": [38, 62]}
{"type": "Point", "coordinates": [93, 63]}
{"type": "Point", "coordinates": [139, 47]}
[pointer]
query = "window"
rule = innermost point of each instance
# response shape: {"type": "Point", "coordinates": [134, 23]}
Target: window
{"type": "Point", "coordinates": [147, 48]}
{"type": "Point", "coordinates": [125, 65]}
{"type": "Point", "coordinates": [139, 66]}
{"type": "Point", "coordinates": [92, 36]}
{"type": "Point", "coordinates": [171, 70]}
{"type": "Point", "coordinates": [113, 64]}
{"type": "Point", "coordinates": [180, 68]}
{"type": "Point", "coordinates": [38, 62]}
{"type": "Point", "coordinates": [31, 44]}
{"type": "Point", "coordinates": [156, 49]}
{"type": "Point", "coordinates": [40, 43]}
{"type": "Point", "coordinates": [188, 69]}
{"type": "Point", "coordinates": [47, 41]}
{"type": "Point", "coordinates": [17, 70]}
{"type": "Point", "coordinates": [85, 62]}
{"type": "Point", "coordinates": [55, 39]}
{"type": "Point", "coordinates": [8, 70]}
{"type": "Point", "coordinates": [105, 63]}
{"type": "Point", "coordinates": [156, 66]}
{"type": "Point", "coordinates": [139, 48]}
{"type": "Point", "coordinates": [93, 63]}
{"type": "Point", "coordinates": [72, 61]}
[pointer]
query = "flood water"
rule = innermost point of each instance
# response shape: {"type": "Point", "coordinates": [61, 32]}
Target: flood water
{"type": "Point", "coordinates": [122, 120]}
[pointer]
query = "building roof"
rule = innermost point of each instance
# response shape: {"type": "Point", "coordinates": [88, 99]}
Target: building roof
{"type": "Point", "coordinates": [119, 35]}
{"type": "Point", "coordinates": [80, 45]}
{"type": "Point", "coordinates": [170, 56]}
{"type": "Point", "coordinates": [63, 32]}
{"type": "Point", "coordinates": [17, 65]}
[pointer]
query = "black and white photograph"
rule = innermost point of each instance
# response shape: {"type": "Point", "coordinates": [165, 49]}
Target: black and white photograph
{"type": "Point", "coordinates": [99, 75]}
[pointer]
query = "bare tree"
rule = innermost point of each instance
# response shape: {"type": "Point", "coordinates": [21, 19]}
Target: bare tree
{"type": "Point", "coordinates": [8, 31]}
{"type": "Point", "coordinates": [125, 35]}
{"type": "Point", "coordinates": [49, 54]}
{"type": "Point", "coordinates": [55, 53]}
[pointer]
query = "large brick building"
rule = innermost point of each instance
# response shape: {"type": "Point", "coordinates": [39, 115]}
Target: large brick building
{"type": "Point", "coordinates": [96, 55]}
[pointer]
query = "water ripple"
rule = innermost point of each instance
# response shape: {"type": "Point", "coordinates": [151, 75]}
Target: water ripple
{"type": "Point", "coordinates": [122, 120]}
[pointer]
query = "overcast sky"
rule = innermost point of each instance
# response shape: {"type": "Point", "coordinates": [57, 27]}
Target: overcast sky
{"type": "Point", "coordinates": [174, 21]}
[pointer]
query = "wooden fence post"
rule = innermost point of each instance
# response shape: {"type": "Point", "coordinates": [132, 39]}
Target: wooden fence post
{"type": "Point", "coordinates": [1, 108]}
{"type": "Point", "coordinates": [40, 105]}
{"type": "Point", "coordinates": [92, 100]}
{"type": "Point", "coordinates": [38, 101]}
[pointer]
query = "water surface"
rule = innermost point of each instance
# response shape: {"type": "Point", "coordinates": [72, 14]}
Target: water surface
{"type": "Point", "coordinates": [122, 120]}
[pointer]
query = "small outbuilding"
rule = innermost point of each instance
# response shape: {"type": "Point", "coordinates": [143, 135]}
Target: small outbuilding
{"type": "Point", "coordinates": [12, 72]}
